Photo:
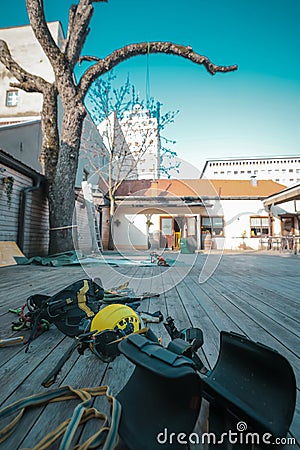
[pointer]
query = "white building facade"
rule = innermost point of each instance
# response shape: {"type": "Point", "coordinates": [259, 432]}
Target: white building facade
{"type": "Point", "coordinates": [225, 214]}
{"type": "Point", "coordinates": [284, 170]}
{"type": "Point", "coordinates": [15, 104]}
{"type": "Point", "coordinates": [141, 133]}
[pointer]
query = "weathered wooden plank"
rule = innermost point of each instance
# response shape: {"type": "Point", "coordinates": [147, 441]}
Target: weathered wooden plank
{"type": "Point", "coordinates": [279, 285]}
{"type": "Point", "coordinates": [199, 318]}
{"type": "Point", "coordinates": [31, 384]}
{"type": "Point", "coordinates": [22, 364]}
{"type": "Point", "coordinates": [282, 319]}
{"type": "Point", "coordinates": [253, 294]}
{"type": "Point", "coordinates": [82, 371]}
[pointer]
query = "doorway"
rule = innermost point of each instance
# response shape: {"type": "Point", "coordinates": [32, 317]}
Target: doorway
{"type": "Point", "coordinates": [172, 229]}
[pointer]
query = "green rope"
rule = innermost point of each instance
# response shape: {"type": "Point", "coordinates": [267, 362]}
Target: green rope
{"type": "Point", "coordinates": [105, 435]}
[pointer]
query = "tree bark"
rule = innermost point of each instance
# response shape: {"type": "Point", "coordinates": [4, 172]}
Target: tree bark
{"type": "Point", "coordinates": [62, 187]}
{"type": "Point", "coordinates": [111, 244]}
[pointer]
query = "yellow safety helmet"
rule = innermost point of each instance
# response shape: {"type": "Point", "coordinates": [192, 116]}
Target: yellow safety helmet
{"type": "Point", "coordinates": [114, 317]}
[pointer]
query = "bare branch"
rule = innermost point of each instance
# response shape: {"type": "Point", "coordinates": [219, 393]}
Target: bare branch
{"type": "Point", "coordinates": [42, 33]}
{"type": "Point", "coordinates": [79, 19]}
{"type": "Point", "coordinates": [27, 81]}
{"type": "Point", "coordinates": [128, 51]}
{"type": "Point", "coordinates": [72, 11]}
{"type": "Point", "coordinates": [88, 58]}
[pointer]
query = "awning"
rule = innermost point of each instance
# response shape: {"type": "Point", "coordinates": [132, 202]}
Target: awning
{"type": "Point", "coordinates": [286, 195]}
{"type": "Point", "coordinates": [160, 205]}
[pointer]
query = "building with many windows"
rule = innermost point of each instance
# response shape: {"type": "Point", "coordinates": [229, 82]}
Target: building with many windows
{"type": "Point", "coordinates": [282, 169]}
{"type": "Point", "coordinates": [141, 133]}
{"type": "Point", "coordinates": [134, 143]}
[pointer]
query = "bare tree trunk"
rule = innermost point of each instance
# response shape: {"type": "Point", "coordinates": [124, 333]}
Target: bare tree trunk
{"type": "Point", "coordinates": [61, 186]}
{"type": "Point", "coordinates": [111, 244]}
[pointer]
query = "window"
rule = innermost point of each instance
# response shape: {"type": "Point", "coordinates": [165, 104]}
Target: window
{"type": "Point", "coordinates": [166, 226]}
{"type": "Point", "coordinates": [259, 226]}
{"type": "Point", "coordinates": [191, 226]}
{"type": "Point", "coordinates": [212, 225]}
{"type": "Point", "coordinates": [12, 98]}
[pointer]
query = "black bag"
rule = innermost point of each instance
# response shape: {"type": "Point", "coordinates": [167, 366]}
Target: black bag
{"type": "Point", "coordinates": [68, 309]}
{"type": "Point", "coordinates": [170, 387]}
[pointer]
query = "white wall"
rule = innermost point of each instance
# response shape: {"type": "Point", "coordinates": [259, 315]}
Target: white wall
{"type": "Point", "coordinates": [237, 215]}
{"type": "Point", "coordinates": [26, 50]}
{"type": "Point", "coordinates": [132, 231]}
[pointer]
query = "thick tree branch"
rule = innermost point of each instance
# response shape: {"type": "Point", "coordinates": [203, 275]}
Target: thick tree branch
{"type": "Point", "coordinates": [72, 11]}
{"type": "Point", "coordinates": [38, 23]}
{"type": "Point", "coordinates": [128, 51]}
{"type": "Point", "coordinates": [79, 19]}
{"type": "Point", "coordinates": [27, 81]}
{"type": "Point", "coordinates": [63, 71]}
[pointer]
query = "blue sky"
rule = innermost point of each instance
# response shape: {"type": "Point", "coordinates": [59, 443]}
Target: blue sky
{"type": "Point", "coordinates": [252, 112]}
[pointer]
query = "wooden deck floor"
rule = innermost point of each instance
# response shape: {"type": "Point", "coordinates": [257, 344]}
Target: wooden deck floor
{"type": "Point", "coordinates": [253, 294]}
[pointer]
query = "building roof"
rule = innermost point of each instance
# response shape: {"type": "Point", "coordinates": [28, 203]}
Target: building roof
{"type": "Point", "coordinates": [19, 123]}
{"type": "Point", "coordinates": [9, 160]}
{"type": "Point", "coordinates": [199, 188]}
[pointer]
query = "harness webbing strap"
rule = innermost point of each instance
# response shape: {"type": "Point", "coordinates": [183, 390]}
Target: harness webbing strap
{"type": "Point", "coordinates": [81, 297]}
{"type": "Point", "coordinates": [107, 435]}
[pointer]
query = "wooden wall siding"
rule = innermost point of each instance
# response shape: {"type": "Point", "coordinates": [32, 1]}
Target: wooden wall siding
{"type": "Point", "coordinates": [37, 224]}
{"type": "Point", "coordinates": [36, 220]}
{"type": "Point", "coordinates": [36, 235]}
{"type": "Point", "coordinates": [9, 213]}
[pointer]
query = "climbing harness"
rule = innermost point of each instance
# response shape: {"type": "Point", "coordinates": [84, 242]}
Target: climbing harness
{"type": "Point", "coordinates": [80, 311]}
{"type": "Point", "coordinates": [66, 309]}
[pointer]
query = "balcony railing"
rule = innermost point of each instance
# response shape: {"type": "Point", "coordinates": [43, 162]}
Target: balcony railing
{"type": "Point", "coordinates": [284, 244]}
